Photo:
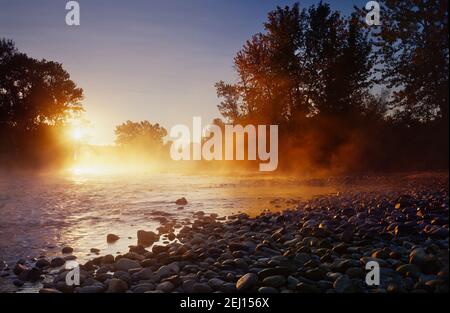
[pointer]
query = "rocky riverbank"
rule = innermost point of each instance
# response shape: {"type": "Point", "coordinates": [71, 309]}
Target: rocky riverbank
{"type": "Point", "coordinates": [319, 246]}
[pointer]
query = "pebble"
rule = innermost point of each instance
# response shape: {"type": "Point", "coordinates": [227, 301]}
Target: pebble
{"type": "Point", "coordinates": [116, 285]}
{"type": "Point", "coordinates": [57, 262]}
{"type": "Point", "coordinates": [42, 263]}
{"type": "Point", "coordinates": [165, 286]}
{"type": "Point", "coordinates": [267, 290]}
{"type": "Point", "coordinates": [246, 282]}
{"type": "Point", "coordinates": [275, 281]}
{"type": "Point", "coordinates": [124, 264]}
{"type": "Point", "coordinates": [111, 238]}
{"type": "Point", "coordinates": [181, 201]}
{"type": "Point", "coordinates": [146, 238]}
{"type": "Point", "coordinates": [67, 250]}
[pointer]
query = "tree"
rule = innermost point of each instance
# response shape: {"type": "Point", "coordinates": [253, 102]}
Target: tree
{"type": "Point", "coordinates": [140, 135]}
{"type": "Point", "coordinates": [339, 62]}
{"type": "Point", "coordinates": [36, 99]}
{"type": "Point", "coordinates": [306, 62]}
{"type": "Point", "coordinates": [34, 92]}
{"type": "Point", "coordinates": [414, 46]}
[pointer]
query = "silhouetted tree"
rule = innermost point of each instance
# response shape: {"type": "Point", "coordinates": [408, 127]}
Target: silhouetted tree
{"type": "Point", "coordinates": [305, 62]}
{"type": "Point", "coordinates": [34, 92]}
{"type": "Point", "coordinates": [140, 135]}
{"type": "Point", "coordinates": [36, 98]}
{"type": "Point", "coordinates": [340, 62]}
{"type": "Point", "coordinates": [414, 47]}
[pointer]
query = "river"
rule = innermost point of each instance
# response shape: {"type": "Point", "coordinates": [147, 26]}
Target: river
{"type": "Point", "coordinates": [42, 213]}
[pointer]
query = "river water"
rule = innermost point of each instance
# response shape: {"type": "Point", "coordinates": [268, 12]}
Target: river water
{"type": "Point", "coordinates": [39, 214]}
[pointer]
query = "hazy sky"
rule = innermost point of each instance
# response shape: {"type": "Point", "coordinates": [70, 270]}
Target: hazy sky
{"type": "Point", "coordinates": [155, 59]}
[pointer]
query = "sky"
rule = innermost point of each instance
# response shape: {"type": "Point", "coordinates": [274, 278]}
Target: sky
{"type": "Point", "coordinates": [155, 60]}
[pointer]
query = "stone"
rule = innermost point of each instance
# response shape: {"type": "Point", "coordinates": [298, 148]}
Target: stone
{"type": "Point", "coordinates": [122, 275]}
{"type": "Point", "coordinates": [108, 259]}
{"type": "Point", "coordinates": [292, 282]}
{"type": "Point", "coordinates": [301, 258]}
{"type": "Point", "coordinates": [355, 272]}
{"type": "Point", "coordinates": [144, 274]}
{"type": "Point", "coordinates": [315, 274]}
{"type": "Point", "coordinates": [216, 283]}
{"type": "Point", "coordinates": [431, 266]}
{"type": "Point", "coordinates": [325, 285]}
{"type": "Point", "coordinates": [19, 269]}
{"type": "Point", "coordinates": [347, 234]}
{"type": "Point", "coordinates": [166, 286]}
{"type": "Point", "coordinates": [307, 288]}
{"type": "Point", "coordinates": [158, 249]}
{"type": "Point", "coordinates": [380, 262]}
{"type": "Point", "coordinates": [343, 284]}
{"type": "Point", "coordinates": [111, 238]}
{"type": "Point", "coordinates": [392, 288]}
{"type": "Point", "coordinates": [164, 271]}
{"type": "Point", "coordinates": [116, 285]}
{"type": "Point", "coordinates": [67, 250]}
{"type": "Point", "coordinates": [188, 285]}
{"type": "Point", "coordinates": [34, 274]}
{"type": "Point", "coordinates": [275, 281]}
{"type": "Point", "coordinates": [340, 248]}
{"type": "Point", "coordinates": [57, 262]}
{"type": "Point", "coordinates": [48, 290]}
{"type": "Point", "coordinates": [181, 201]}
{"type": "Point", "coordinates": [246, 282]}
{"type": "Point", "coordinates": [228, 288]}
{"type": "Point", "coordinates": [124, 264]}
{"type": "Point", "coordinates": [148, 262]}
{"type": "Point", "coordinates": [380, 254]}
{"type": "Point", "coordinates": [236, 246]}
{"type": "Point", "coordinates": [97, 288]}
{"type": "Point", "coordinates": [427, 263]}
{"type": "Point", "coordinates": [3, 265]}
{"type": "Point", "coordinates": [142, 288]}
{"type": "Point", "coordinates": [407, 268]}
{"type": "Point", "coordinates": [174, 279]}
{"type": "Point", "coordinates": [146, 238]}
{"type": "Point", "coordinates": [279, 270]}
{"type": "Point", "coordinates": [201, 288]}
{"type": "Point", "coordinates": [267, 290]}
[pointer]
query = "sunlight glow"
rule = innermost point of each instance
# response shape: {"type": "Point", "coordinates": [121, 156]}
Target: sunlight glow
{"type": "Point", "coordinates": [77, 134]}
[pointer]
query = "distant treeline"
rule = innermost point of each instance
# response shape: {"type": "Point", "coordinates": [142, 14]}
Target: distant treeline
{"type": "Point", "coordinates": [347, 96]}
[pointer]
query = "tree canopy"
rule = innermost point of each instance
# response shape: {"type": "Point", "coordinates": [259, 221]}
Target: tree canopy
{"type": "Point", "coordinates": [34, 92]}
{"type": "Point", "coordinates": [140, 134]}
{"type": "Point", "coordinates": [414, 52]}
{"type": "Point", "coordinates": [306, 62]}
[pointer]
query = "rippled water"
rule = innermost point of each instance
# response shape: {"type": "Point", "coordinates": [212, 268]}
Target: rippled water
{"type": "Point", "coordinates": [40, 214]}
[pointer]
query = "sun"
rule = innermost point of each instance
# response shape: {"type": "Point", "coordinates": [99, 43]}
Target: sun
{"type": "Point", "coordinates": [78, 131]}
{"type": "Point", "coordinates": [77, 134]}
